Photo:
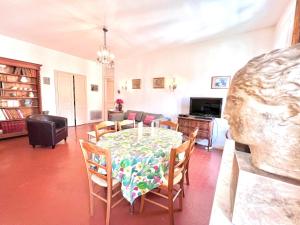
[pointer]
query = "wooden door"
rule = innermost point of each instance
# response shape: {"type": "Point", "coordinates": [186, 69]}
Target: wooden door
{"type": "Point", "coordinates": [80, 99]}
{"type": "Point", "coordinates": [71, 97]}
{"type": "Point", "coordinates": [108, 90]}
{"type": "Point", "coordinates": [65, 96]}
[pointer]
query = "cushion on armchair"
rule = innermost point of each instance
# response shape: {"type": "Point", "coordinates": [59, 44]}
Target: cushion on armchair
{"type": "Point", "coordinates": [148, 119]}
{"type": "Point", "coordinates": [138, 116]}
{"type": "Point", "coordinates": [131, 116]}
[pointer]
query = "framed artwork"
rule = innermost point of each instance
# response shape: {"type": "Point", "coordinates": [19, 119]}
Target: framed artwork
{"type": "Point", "coordinates": [94, 87]}
{"type": "Point", "coordinates": [46, 80]}
{"type": "Point", "coordinates": [159, 82]}
{"type": "Point", "coordinates": [220, 82]}
{"type": "Point", "coordinates": [136, 83]}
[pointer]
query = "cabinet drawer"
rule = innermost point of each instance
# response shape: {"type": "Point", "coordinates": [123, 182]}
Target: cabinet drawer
{"type": "Point", "coordinates": [200, 124]}
{"type": "Point", "coordinates": [203, 134]}
{"type": "Point", "coordinates": [184, 123]}
{"type": "Point", "coordinates": [184, 130]}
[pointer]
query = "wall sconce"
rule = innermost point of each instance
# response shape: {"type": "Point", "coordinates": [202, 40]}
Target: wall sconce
{"type": "Point", "coordinates": [173, 85]}
{"type": "Point", "coordinates": [124, 86]}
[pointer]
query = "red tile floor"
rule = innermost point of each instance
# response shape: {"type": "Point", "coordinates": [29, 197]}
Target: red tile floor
{"type": "Point", "coordinates": [42, 186]}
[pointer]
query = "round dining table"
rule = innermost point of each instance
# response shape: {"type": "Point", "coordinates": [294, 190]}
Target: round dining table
{"type": "Point", "coordinates": [140, 157]}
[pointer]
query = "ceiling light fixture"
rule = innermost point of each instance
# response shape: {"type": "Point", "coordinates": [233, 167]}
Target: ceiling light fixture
{"type": "Point", "coordinates": [104, 55]}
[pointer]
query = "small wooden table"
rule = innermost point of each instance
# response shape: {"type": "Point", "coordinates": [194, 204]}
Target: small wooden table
{"type": "Point", "coordinates": [111, 112]}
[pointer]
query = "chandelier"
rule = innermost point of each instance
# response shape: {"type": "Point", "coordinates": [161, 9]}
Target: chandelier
{"type": "Point", "coordinates": [104, 55]}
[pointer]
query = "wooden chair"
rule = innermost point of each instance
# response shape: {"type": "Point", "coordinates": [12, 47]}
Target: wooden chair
{"type": "Point", "coordinates": [173, 185]}
{"type": "Point", "coordinates": [170, 124]}
{"type": "Point", "coordinates": [125, 123]}
{"type": "Point", "coordinates": [101, 129]}
{"type": "Point", "coordinates": [192, 138]}
{"type": "Point", "coordinates": [100, 176]}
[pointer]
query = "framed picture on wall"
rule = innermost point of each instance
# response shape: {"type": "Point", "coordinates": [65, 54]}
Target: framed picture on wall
{"type": "Point", "coordinates": [94, 87]}
{"type": "Point", "coordinates": [46, 80]}
{"type": "Point", "coordinates": [220, 82]}
{"type": "Point", "coordinates": [159, 82]}
{"type": "Point", "coordinates": [136, 83]}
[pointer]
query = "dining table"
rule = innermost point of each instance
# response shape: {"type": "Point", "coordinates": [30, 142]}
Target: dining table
{"type": "Point", "coordinates": [140, 157]}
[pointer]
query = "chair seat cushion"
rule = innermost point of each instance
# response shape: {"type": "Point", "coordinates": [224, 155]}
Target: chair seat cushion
{"type": "Point", "coordinates": [101, 182]}
{"type": "Point", "coordinates": [93, 133]}
{"type": "Point", "coordinates": [176, 180]}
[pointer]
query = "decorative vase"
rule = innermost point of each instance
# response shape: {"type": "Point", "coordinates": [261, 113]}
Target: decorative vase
{"type": "Point", "coordinates": [119, 107]}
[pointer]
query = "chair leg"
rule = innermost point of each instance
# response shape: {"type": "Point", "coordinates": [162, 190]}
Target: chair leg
{"type": "Point", "coordinates": [65, 139]}
{"type": "Point", "coordinates": [181, 195]}
{"type": "Point", "coordinates": [171, 210]}
{"type": "Point", "coordinates": [53, 146]}
{"type": "Point", "coordinates": [91, 204]}
{"type": "Point", "coordinates": [187, 175]}
{"type": "Point", "coordinates": [142, 203]}
{"type": "Point", "coordinates": [108, 206]}
{"type": "Point", "coordinates": [33, 146]}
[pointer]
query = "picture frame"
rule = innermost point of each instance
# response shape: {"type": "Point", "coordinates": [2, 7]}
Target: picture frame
{"type": "Point", "coordinates": [220, 82]}
{"type": "Point", "coordinates": [94, 87]}
{"type": "Point", "coordinates": [136, 83]}
{"type": "Point", "coordinates": [46, 80]}
{"type": "Point", "coordinates": [159, 82]}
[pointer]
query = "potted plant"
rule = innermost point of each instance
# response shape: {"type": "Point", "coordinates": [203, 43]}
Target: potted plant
{"type": "Point", "coordinates": [119, 104]}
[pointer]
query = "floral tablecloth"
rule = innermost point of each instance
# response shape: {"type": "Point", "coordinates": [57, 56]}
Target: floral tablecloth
{"type": "Point", "coordinates": [140, 161]}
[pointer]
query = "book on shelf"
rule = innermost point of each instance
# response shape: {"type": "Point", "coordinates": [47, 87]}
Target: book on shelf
{"type": "Point", "coordinates": [20, 113]}
{"type": "Point", "coordinates": [17, 71]}
{"type": "Point", "coordinates": [11, 114]}
{"type": "Point", "coordinates": [13, 126]}
{"type": "Point", "coordinates": [2, 116]}
{"type": "Point", "coordinates": [6, 116]}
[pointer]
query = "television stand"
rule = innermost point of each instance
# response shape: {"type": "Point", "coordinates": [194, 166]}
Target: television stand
{"type": "Point", "coordinates": [203, 117]}
{"type": "Point", "coordinates": [205, 125]}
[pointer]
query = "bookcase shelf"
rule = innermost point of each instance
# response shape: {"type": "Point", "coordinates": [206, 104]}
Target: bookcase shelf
{"type": "Point", "coordinates": [17, 75]}
{"type": "Point", "coordinates": [20, 107]}
{"type": "Point", "coordinates": [13, 134]}
{"type": "Point", "coordinates": [18, 80]}
{"type": "Point", "coordinates": [10, 90]}
{"type": "Point", "coordinates": [13, 119]}
{"type": "Point", "coordinates": [8, 97]}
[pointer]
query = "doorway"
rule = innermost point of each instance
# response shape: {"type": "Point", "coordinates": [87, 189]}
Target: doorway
{"type": "Point", "coordinates": [108, 90]}
{"type": "Point", "coordinates": [71, 97]}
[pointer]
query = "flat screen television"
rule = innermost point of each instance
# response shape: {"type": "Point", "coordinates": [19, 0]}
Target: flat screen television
{"type": "Point", "coordinates": [206, 107]}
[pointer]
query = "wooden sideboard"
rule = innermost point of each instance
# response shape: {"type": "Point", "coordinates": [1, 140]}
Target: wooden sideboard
{"type": "Point", "coordinates": [189, 123]}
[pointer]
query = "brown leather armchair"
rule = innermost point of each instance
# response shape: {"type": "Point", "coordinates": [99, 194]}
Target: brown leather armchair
{"type": "Point", "coordinates": [46, 130]}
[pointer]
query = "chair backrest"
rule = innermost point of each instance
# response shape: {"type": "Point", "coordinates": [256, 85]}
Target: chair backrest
{"type": "Point", "coordinates": [170, 124]}
{"type": "Point", "coordinates": [125, 122]}
{"type": "Point", "coordinates": [104, 125]}
{"type": "Point", "coordinates": [176, 163]}
{"type": "Point", "coordinates": [192, 138]}
{"type": "Point", "coordinates": [97, 159]}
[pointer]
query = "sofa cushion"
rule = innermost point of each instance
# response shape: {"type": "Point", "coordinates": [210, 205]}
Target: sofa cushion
{"type": "Point", "coordinates": [138, 116]}
{"type": "Point", "coordinates": [156, 116]}
{"type": "Point", "coordinates": [148, 119]}
{"type": "Point", "coordinates": [131, 116]}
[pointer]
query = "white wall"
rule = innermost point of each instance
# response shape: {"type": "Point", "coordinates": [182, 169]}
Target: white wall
{"type": "Point", "coordinates": [52, 60]}
{"type": "Point", "coordinates": [192, 66]}
{"type": "Point", "coordinates": [284, 27]}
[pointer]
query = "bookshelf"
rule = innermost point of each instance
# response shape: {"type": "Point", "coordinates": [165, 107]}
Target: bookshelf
{"type": "Point", "coordinates": [20, 95]}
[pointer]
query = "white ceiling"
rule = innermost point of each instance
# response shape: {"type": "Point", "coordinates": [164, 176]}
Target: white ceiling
{"type": "Point", "coordinates": [73, 26]}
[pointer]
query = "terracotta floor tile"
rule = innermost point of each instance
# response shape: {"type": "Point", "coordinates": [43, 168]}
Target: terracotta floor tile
{"type": "Point", "coordinates": [43, 186]}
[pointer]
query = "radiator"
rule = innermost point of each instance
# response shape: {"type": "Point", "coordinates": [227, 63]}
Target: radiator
{"type": "Point", "coordinates": [95, 114]}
